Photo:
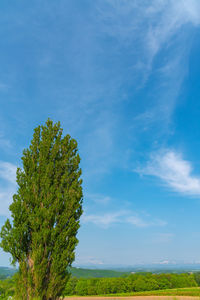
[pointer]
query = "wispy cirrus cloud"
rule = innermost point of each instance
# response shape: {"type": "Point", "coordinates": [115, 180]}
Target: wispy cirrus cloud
{"type": "Point", "coordinates": [121, 216]}
{"type": "Point", "coordinates": [156, 38]}
{"type": "Point", "coordinates": [149, 24]}
{"type": "Point", "coordinates": [5, 144]}
{"type": "Point", "coordinates": [87, 260]}
{"type": "Point", "coordinates": [171, 16]}
{"type": "Point", "coordinates": [7, 185]}
{"type": "Point", "coordinates": [140, 222]}
{"type": "Point", "coordinates": [8, 171]}
{"type": "Point", "coordinates": [176, 172]}
{"type": "Point", "coordinates": [104, 220]}
{"type": "Point", "coordinates": [98, 198]}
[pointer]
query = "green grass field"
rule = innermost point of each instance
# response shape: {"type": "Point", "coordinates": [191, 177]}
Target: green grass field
{"type": "Point", "coordinates": [168, 292]}
{"type": "Point", "coordinates": [173, 292]}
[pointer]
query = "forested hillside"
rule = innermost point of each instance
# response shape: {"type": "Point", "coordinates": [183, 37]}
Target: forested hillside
{"type": "Point", "coordinates": [132, 283]}
{"type": "Point", "coordinates": [6, 272]}
{"type": "Point", "coordinates": [76, 272]}
{"type": "Point", "coordinates": [95, 273]}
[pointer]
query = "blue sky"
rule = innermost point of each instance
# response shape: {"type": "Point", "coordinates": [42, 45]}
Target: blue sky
{"type": "Point", "coordinates": [122, 76]}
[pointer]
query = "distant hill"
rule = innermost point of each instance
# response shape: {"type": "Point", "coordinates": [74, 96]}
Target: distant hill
{"type": "Point", "coordinates": [85, 272]}
{"type": "Point", "coordinates": [76, 272]}
{"type": "Point", "coordinates": [89, 273]}
{"type": "Point", "coordinates": [6, 272]}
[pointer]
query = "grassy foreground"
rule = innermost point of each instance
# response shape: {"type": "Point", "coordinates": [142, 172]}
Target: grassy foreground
{"type": "Point", "coordinates": [171, 292]}
{"type": "Point", "coordinates": [168, 292]}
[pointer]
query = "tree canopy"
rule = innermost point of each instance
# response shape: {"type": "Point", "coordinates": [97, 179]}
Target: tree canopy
{"type": "Point", "coordinates": [45, 213]}
{"type": "Point", "coordinates": [133, 283]}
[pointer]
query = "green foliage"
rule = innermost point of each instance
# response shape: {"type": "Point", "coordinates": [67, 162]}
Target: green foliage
{"type": "Point", "coordinates": [145, 284]}
{"type": "Point", "coordinates": [81, 287]}
{"type": "Point", "coordinates": [70, 288]}
{"type": "Point", "coordinates": [197, 277]}
{"type": "Point", "coordinates": [45, 214]}
{"type": "Point", "coordinates": [7, 288]}
{"type": "Point", "coordinates": [94, 273]}
{"type": "Point", "coordinates": [132, 283]}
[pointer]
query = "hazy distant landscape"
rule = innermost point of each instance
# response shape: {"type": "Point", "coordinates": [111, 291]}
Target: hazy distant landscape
{"type": "Point", "coordinates": [92, 272]}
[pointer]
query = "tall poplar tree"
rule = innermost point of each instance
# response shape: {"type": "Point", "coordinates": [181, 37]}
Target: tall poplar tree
{"type": "Point", "coordinates": [45, 212]}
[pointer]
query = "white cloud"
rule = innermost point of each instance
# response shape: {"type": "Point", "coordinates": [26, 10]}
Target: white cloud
{"type": "Point", "coordinates": [174, 171]}
{"type": "Point", "coordinates": [6, 199]}
{"type": "Point", "coordinates": [147, 28]}
{"type": "Point", "coordinates": [121, 216]}
{"type": "Point", "coordinates": [136, 221]}
{"type": "Point", "coordinates": [98, 198]}
{"type": "Point", "coordinates": [7, 186]}
{"type": "Point", "coordinates": [161, 20]}
{"type": "Point", "coordinates": [87, 260]}
{"type": "Point", "coordinates": [171, 16]}
{"type": "Point", "coordinates": [104, 220]}
{"type": "Point", "coordinates": [8, 171]}
{"type": "Point", "coordinates": [5, 143]}
{"type": "Point", "coordinates": [139, 222]}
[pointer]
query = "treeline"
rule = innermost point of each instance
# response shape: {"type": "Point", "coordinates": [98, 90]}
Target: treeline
{"type": "Point", "coordinates": [95, 273]}
{"type": "Point", "coordinates": [7, 288]}
{"type": "Point", "coordinates": [132, 283]}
